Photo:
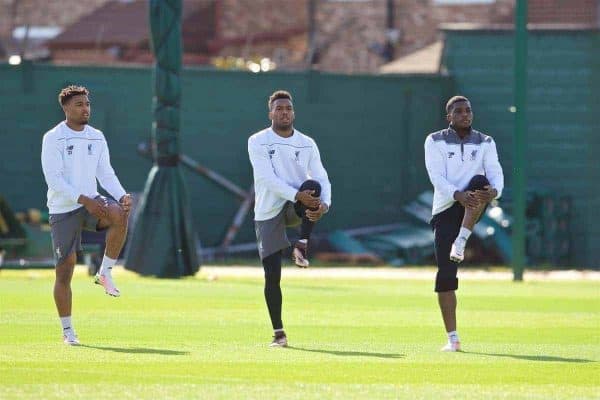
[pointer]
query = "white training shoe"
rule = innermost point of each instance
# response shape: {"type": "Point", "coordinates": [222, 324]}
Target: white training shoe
{"type": "Point", "coordinates": [451, 347]}
{"type": "Point", "coordinates": [279, 340]}
{"type": "Point", "coordinates": [457, 253]}
{"type": "Point", "coordinates": [107, 282]}
{"type": "Point", "coordinates": [299, 254]}
{"type": "Point", "coordinates": [70, 338]}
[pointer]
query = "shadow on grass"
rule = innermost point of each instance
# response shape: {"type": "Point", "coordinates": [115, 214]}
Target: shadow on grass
{"type": "Point", "coordinates": [349, 353]}
{"type": "Point", "coordinates": [534, 358]}
{"type": "Point", "coordinates": [138, 350]}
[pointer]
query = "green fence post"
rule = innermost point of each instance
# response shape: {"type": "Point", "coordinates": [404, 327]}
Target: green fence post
{"type": "Point", "coordinates": [520, 140]}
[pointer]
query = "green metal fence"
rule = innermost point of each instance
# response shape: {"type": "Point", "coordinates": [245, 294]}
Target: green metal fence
{"type": "Point", "coordinates": [562, 111]}
{"type": "Point", "coordinates": [370, 131]}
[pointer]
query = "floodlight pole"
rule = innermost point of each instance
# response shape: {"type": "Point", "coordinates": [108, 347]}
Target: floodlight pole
{"type": "Point", "coordinates": [520, 141]}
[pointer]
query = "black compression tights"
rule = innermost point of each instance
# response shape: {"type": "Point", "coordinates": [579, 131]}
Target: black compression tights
{"type": "Point", "coordinates": [272, 266]}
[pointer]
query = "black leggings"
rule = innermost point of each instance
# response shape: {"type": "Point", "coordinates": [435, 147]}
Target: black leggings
{"type": "Point", "coordinates": [273, 297]}
{"type": "Point", "coordinates": [446, 226]}
{"type": "Point", "coordinates": [272, 263]}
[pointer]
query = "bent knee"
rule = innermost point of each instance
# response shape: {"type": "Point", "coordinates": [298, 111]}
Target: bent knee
{"type": "Point", "coordinates": [117, 216]}
{"type": "Point", "coordinates": [311, 184]}
{"type": "Point", "coordinates": [478, 182]}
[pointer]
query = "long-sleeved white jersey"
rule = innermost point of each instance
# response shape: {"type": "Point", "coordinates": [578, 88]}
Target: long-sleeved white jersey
{"type": "Point", "coordinates": [280, 166]}
{"type": "Point", "coordinates": [451, 163]}
{"type": "Point", "coordinates": [72, 161]}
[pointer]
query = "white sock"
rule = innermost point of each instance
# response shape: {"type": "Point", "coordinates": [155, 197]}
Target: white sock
{"type": "Point", "coordinates": [453, 337]}
{"type": "Point", "coordinates": [464, 233]}
{"type": "Point", "coordinates": [107, 264]}
{"type": "Point", "coordinates": [66, 323]}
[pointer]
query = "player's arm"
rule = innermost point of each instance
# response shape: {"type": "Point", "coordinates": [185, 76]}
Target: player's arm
{"type": "Point", "coordinates": [493, 169]}
{"type": "Point", "coordinates": [53, 168]}
{"type": "Point", "coordinates": [108, 179]}
{"type": "Point", "coordinates": [318, 173]}
{"type": "Point", "coordinates": [435, 162]}
{"type": "Point", "coordinates": [264, 174]}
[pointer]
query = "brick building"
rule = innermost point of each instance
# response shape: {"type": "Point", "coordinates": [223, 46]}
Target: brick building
{"type": "Point", "coordinates": [349, 36]}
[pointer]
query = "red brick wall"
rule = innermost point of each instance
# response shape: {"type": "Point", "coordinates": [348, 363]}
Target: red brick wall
{"type": "Point", "coordinates": [564, 11]}
{"type": "Point", "coordinates": [356, 29]}
{"type": "Point", "coordinates": [349, 33]}
{"type": "Point", "coordinates": [249, 17]}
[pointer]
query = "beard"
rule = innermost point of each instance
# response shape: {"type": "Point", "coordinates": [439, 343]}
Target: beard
{"type": "Point", "coordinates": [283, 125]}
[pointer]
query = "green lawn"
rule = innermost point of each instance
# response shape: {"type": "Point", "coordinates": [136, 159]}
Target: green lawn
{"type": "Point", "coordinates": [350, 339]}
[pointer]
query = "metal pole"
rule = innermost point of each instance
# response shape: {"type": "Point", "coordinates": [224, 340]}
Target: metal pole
{"type": "Point", "coordinates": [312, 33]}
{"type": "Point", "coordinates": [390, 31]}
{"type": "Point", "coordinates": [520, 140]}
{"type": "Point", "coordinates": [144, 149]}
{"type": "Point", "coordinates": [238, 220]}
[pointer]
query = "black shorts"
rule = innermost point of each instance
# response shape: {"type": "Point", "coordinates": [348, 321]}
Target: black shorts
{"type": "Point", "coordinates": [65, 229]}
{"type": "Point", "coordinates": [446, 226]}
{"type": "Point", "coordinates": [271, 235]}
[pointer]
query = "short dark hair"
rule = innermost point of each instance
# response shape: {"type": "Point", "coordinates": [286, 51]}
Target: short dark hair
{"type": "Point", "coordinates": [278, 94]}
{"type": "Point", "coordinates": [71, 91]}
{"type": "Point", "coordinates": [454, 99]}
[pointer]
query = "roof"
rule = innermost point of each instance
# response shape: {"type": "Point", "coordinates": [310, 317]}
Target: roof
{"type": "Point", "coordinates": [424, 61]}
{"type": "Point", "coordinates": [116, 23]}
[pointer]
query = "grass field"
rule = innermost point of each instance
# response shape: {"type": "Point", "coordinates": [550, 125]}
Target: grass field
{"type": "Point", "coordinates": [350, 339]}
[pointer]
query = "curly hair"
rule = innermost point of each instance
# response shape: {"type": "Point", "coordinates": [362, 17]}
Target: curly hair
{"type": "Point", "coordinates": [71, 91]}
{"type": "Point", "coordinates": [278, 94]}
{"type": "Point", "coordinates": [453, 100]}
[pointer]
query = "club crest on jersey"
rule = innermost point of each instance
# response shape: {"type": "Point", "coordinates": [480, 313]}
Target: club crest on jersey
{"type": "Point", "coordinates": [271, 154]}
{"type": "Point", "coordinates": [90, 149]}
{"type": "Point", "coordinates": [450, 154]}
{"type": "Point", "coordinates": [297, 153]}
{"type": "Point", "coordinates": [473, 155]}
{"type": "Point", "coordinates": [70, 149]}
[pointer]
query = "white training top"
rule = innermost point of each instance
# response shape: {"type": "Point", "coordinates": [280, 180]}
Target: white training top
{"type": "Point", "coordinates": [451, 163]}
{"type": "Point", "coordinates": [280, 166]}
{"type": "Point", "coordinates": [71, 161]}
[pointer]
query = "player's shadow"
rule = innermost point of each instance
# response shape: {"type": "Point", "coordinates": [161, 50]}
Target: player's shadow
{"type": "Point", "coordinates": [534, 358]}
{"type": "Point", "coordinates": [138, 350]}
{"type": "Point", "coordinates": [350, 353]}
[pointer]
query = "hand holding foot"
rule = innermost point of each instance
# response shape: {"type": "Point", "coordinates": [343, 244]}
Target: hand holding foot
{"type": "Point", "coordinates": [306, 198]}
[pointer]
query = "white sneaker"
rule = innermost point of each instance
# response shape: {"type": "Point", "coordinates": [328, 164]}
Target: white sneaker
{"type": "Point", "coordinates": [299, 254]}
{"type": "Point", "coordinates": [451, 347]}
{"type": "Point", "coordinates": [457, 253]}
{"type": "Point", "coordinates": [279, 340]}
{"type": "Point", "coordinates": [107, 282]}
{"type": "Point", "coordinates": [70, 338]}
